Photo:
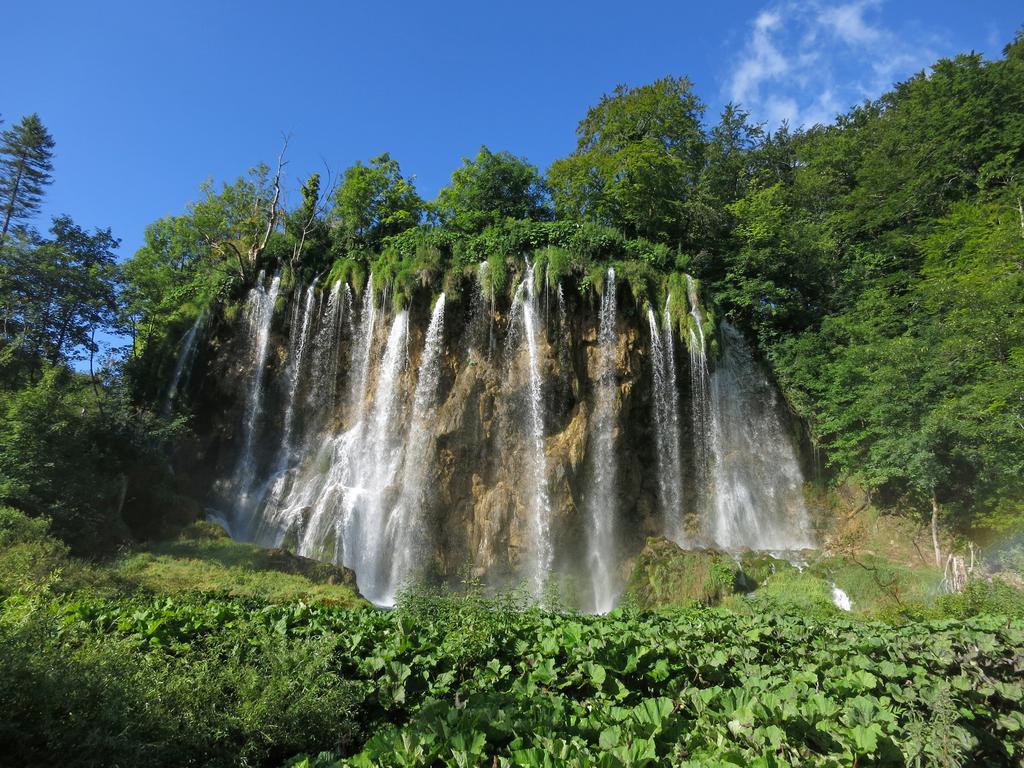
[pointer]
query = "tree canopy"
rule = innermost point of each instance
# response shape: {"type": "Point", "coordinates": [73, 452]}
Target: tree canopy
{"type": "Point", "coordinates": [489, 188]}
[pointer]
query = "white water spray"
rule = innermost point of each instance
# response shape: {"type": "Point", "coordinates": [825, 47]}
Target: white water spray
{"type": "Point", "coordinates": [758, 485]}
{"type": "Point", "coordinates": [259, 314]}
{"type": "Point", "coordinates": [524, 311]}
{"type": "Point", "coordinates": [666, 426]}
{"type": "Point", "coordinates": [406, 528]}
{"type": "Point", "coordinates": [601, 500]}
{"type": "Point", "coordinates": [183, 363]}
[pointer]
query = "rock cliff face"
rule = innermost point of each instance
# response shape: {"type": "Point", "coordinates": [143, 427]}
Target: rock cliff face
{"type": "Point", "coordinates": [490, 475]}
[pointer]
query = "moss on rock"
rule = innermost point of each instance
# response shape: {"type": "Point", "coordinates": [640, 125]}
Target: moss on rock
{"type": "Point", "coordinates": [666, 575]}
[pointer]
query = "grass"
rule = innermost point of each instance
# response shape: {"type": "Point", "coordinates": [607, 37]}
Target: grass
{"type": "Point", "coordinates": [204, 559]}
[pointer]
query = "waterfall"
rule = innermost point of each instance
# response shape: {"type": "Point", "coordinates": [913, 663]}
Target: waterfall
{"type": "Point", "coordinates": [182, 364]}
{"type": "Point", "coordinates": [840, 599]}
{"type": "Point", "coordinates": [666, 426]}
{"type": "Point", "coordinates": [299, 343]}
{"type": "Point", "coordinates": [326, 353]}
{"type": "Point", "coordinates": [481, 318]}
{"type": "Point", "coordinates": [600, 501]}
{"type": "Point", "coordinates": [273, 517]}
{"type": "Point", "coordinates": [259, 314]}
{"type": "Point", "coordinates": [362, 354]}
{"type": "Point", "coordinates": [700, 393]}
{"type": "Point", "coordinates": [758, 486]}
{"type": "Point", "coordinates": [377, 463]}
{"type": "Point", "coordinates": [342, 496]}
{"type": "Point", "coordinates": [406, 528]}
{"type": "Point", "coordinates": [351, 475]}
{"type": "Point", "coordinates": [524, 311]}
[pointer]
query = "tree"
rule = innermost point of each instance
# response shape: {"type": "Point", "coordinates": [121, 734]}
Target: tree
{"type": "Point", "coordinates": [26, 154]}
{"type": "Point", "coordinates": [375, 201]}
{"type": "Point", "coordinates": [306, 225]}
{"type": "Point", "coordinates": [173, 270]}
{"type": "Point", "coordinates": [637, 161]}
{"type": "Point", "coordinates": [492, 187]}
{"type": "Point", "coordinates": [236, 223]}
{"type": "Point", "coordinates": [61, 290]}
{"type": "Point", "coordinates": [57, 458]}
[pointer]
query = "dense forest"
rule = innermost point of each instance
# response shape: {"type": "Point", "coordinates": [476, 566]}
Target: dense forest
{"type": "Point", "coordinates": [875, 265]}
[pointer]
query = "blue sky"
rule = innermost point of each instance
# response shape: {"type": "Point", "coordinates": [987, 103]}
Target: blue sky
{"type": "Point", "coordinates": [147, 100]}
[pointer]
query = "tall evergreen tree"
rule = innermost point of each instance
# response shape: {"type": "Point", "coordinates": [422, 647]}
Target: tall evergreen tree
{"type": "Point", "coordinates": [26, 154]}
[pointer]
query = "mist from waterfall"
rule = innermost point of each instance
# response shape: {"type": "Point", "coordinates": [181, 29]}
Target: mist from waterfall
{"type": "Point", "coordinates": [758, 497]}
{"type": "Point", "coordinates": [259, 314]}
{"type": "Point", "coordinates": [666, 425]}
{"type": "Point", "coordinates": [601, 499]}
{"type": "Point", "coordinates": [524, 313]}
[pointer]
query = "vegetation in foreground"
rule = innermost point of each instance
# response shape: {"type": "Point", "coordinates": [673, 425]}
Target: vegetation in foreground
{"type": "Point", "coordinates": [96, 670]}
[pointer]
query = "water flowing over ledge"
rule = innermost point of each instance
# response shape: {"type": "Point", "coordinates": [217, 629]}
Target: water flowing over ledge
{"type": "Point", "coordinates": [408, 446]}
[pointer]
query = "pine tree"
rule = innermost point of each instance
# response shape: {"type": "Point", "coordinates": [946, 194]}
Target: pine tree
{"type": "Point", "coordinates": [26, 153]}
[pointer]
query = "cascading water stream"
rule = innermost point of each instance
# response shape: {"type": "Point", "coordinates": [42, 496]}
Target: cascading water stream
{"type": "Point", "coordinates": [524, 311]}
{"type": "Point", "coordinates": [322, 496]}
{"type": "Point", "coordinates": [481, 321]}
{"type": "Point", "coordinates": [377, 465]}
{"type": "Point", "coordinates": [299, 347]}
{"type": "Point", "coordinates": [601, 500]}
{"type": "Point", "coordinates": [326, 353]}
{"type": "Point", "coordinates": [758, 486]}
{"type": "Point", "coordinates": [840, 599]}
{"type": "Point", "coordinates": [700, 394]}
{"type": "Point", "coordinates": [183, 363]}
{"type": "Point", "coordinates": [272, 517]}
{"type": "Point", "coordinates": [666, 427]}
{"type": "Point", "coordinates": [259, 314]}
{"type": "Point", "coordinates": [406, 529]}
{"type": "Point", "coordinates": [367, 327]}
{"type": "Point", "coordinates": [356, 455]}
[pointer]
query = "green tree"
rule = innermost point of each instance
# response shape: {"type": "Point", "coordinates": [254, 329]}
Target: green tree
{"type": "Point", "coordinates": [375, 201]}
{"type": "Point", "coordinates": [306, 226]}
{"type": "Point", "coordinates": [57, 459]}
{"type": "Point", "coordinates": [637, 161]}
{"type": "Point", "coordinates": [173, 271]}
{"type": "Point", "coordinates": [489, 188]}
{"type": "Point", "coordinates": [236, 223]}
{"type": "Point", "coordinates": [26, 159]}
{"type": "Point", "coordinates": [60, 291]}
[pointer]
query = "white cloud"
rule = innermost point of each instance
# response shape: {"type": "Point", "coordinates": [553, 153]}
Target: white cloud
{"type": "Point", "coordinates": [762, 62]}
{"type": "Point", "coordinates": [848, 24]}
{"type": "Point", "coordinates": [805, 61]}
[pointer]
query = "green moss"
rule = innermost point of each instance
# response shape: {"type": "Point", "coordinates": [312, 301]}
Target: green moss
{"type": "Point", "coordinates": [666, 576]}
{"type": "Point", "coordinates": [349, 271]}
{"type": "Point", "coordinates": [557, 264]}
{"type": "Point", "coordinates": [639, 278]}
{"type": "Point", "coordinates": [758, 568]}
{"type": "Point", "coordinates": [497, 277]}
{"type": "Point", "coordinates": [594, 279]}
